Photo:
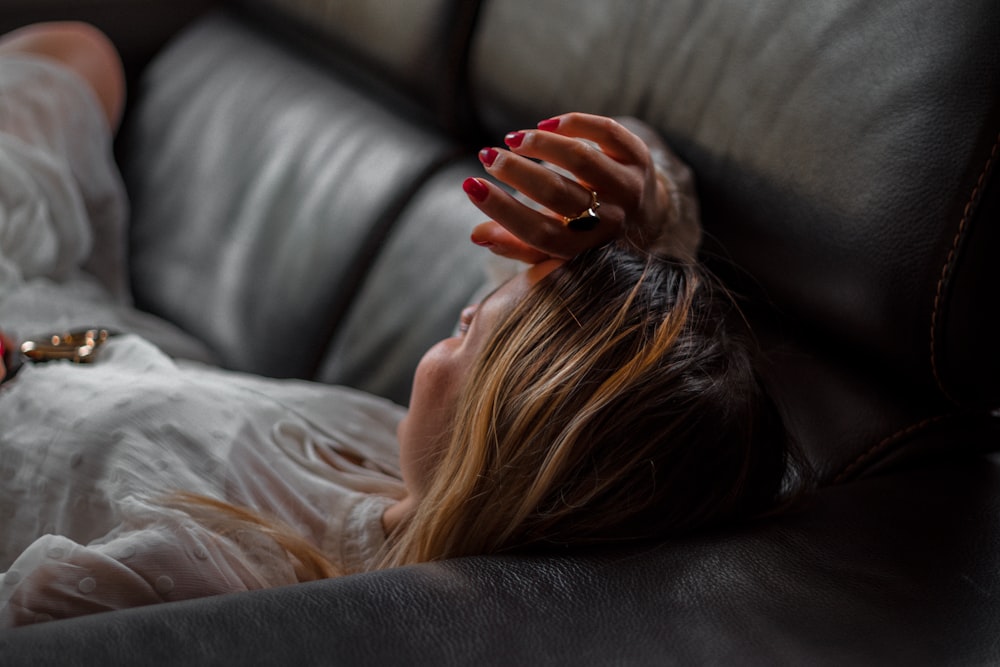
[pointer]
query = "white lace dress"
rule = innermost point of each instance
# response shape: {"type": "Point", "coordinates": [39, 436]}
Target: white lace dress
{"type": "Point", "coordinates": [88, 453]}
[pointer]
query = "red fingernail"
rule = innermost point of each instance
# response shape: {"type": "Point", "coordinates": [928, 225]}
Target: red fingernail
{"type": "Point", "coordinates": [549, 125]}
{"type": "Point", "coordinates": [487, 156]}
{"type": "Point", "coordinates": [485, 244]}
{"type": "Point", "coordinates": [514, 139]}
{"type": "Point", "coordinates": [475, 189]}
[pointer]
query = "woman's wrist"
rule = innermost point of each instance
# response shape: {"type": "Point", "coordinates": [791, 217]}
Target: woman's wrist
{"type": "Point", "coordinates": [680, 233]}
{"type": "Point", "coordinates": [681, 237]}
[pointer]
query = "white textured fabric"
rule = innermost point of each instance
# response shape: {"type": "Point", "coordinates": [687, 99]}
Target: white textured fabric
{"type": "Point", "coordinates": [88, 453]}
{"type": "Point", "coordinates": [63, 213]}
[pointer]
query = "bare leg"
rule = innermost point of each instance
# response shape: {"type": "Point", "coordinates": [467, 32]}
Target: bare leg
{"type": "Point", "coordinates": [83, 49]}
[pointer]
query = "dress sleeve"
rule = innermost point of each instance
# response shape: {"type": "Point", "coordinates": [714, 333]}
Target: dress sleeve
{"type": "Point", "coordinates": [57, 578]}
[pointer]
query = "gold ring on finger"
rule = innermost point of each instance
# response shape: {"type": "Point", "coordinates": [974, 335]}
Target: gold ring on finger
{"type": "Point", "coordinates": [586, 220]}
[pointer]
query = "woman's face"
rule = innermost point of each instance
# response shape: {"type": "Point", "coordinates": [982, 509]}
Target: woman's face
{"type": "Point", "coordinates": [425, 430]}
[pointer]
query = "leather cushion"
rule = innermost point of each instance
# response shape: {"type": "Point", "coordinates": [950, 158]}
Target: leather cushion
{"type": "Point", "coordinates": [262, 187]}
{"type": "Point", "coordinates": [894, 570]}
{"type": "Point", "coordinates": [840, 151]}
{"type": "Point", "coordinates": [419, 46]}
{"type": "Point", "coordinates": [426, 271]}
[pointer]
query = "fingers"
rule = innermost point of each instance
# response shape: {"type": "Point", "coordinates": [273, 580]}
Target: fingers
{"type": "Point", "coordinates": [563, 196]}
{"type": "Point", "coordinates": [563, 166]}
{"type": "Point", "coordinates": [616, 141]}
{"type": "Point", "coordinates": [600, 153]}
{"type": "Point", "coordinates": [588, 164]}
{"type": "Point", "coordinates": [535, 229]}
{"type": "Point", "coordinates": [501, 242]}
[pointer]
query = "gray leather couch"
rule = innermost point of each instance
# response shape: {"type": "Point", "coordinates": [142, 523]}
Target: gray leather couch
{"type": "Point", "coordinates": [295, 170]}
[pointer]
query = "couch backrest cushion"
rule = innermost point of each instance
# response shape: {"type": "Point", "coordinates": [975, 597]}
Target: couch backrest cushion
{"type": "Point", "coordinates": [418, 46]}
{"type": "Point", "coordinates": [264, 186]}
{"type": "Point", "coordinates": [842, 149]}
{"type": "Point", "coordinates": [845, 155]}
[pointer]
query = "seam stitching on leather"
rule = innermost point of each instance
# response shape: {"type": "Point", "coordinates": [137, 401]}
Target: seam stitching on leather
{"type": "Point", "coordinates": [949, 261]}
{"type": "Point", "coordinates": [885, 443]}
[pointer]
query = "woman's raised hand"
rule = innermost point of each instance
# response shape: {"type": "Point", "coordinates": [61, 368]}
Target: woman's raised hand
{"type": "Point", "coordinates": [643, 191]}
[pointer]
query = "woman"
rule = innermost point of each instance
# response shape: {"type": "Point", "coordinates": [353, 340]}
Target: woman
{"type": "Point", "coordinates": [602, 395]}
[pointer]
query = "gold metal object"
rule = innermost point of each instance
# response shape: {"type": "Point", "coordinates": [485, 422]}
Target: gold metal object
{"type": "Point", "coordinates": [586, 220]}
{"type": "Point", "coordinates": [78, 346]}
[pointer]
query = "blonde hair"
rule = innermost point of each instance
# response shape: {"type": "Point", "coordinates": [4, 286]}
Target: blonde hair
{"type": "Point", "coordinates": [231, 521]}
{"type": "Point", "coordinates": [618, 401]}
{"type": "Point", "coordinates": [615, 402]}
